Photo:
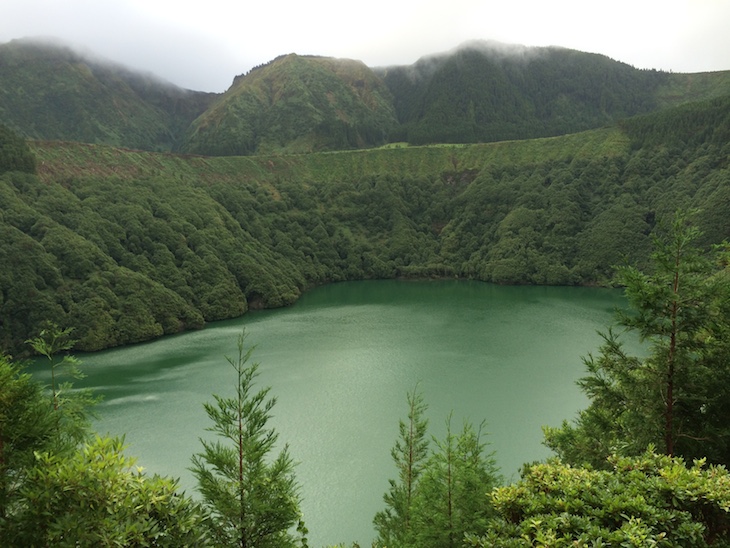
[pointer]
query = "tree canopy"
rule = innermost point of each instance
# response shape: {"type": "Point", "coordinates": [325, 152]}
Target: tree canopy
{"type": "Point", "coordinates": [15, 155]}
{"type": "Point", "coordinates": [60, 485]}
{"type": "Point", "coordinates": [675, 397]}
{"type": "Point", "coordinates": [648, 500]}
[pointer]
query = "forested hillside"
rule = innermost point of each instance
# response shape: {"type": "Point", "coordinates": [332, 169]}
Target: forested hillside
{"type": "Point", "coordinates": [487, 91]}
{"type": "Point", "coordinates": [50, 91]}
{"type": "Point", "coordinates": [479, 92]}
{"type": "Point", "coordinates": [296, 104]}
{"type": "Point", "coordinates": [126, 246]}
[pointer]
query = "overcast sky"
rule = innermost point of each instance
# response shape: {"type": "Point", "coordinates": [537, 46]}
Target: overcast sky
{"type": "Point", "coordinates": [203, 44]}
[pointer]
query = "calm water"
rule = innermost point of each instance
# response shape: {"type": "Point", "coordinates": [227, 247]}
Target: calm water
{"type": "Point", "coordinates": [340, 362]}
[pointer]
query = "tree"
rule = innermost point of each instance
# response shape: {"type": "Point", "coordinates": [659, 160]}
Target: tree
{"type": "Point", "coordinates": [452, 496]}
{"type": "Point", "coordinates": [440, 493]}
{"type": "Point", "coordinates": [49, 342]}
{"type": "Point", "coordinates": [394, 523]}
{"type": "Point", "coordinates": [679, 309]}
{"type": "Point", "coordinates": [26, 426]}
{"type": "Point", "coordinates": [254, 502]}
{"type": "Point", "coordinates": [71, 407]}
{"type": "Point", "coordinates": [98, 497]}
{"type": "Point", "coordinates": [31, 423]}
{"type": "Point", "coordinates": [645, 501]}
{"type": "Point", "coordinates": [676, 397]}
{"type": "Point", "coordinates": [53, 493]}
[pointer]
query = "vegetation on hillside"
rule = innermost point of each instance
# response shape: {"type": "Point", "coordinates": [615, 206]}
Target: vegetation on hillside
{"type": "Point", "coordinates": [680, 89]}
{"type": "Point", "coordinates": [486, 92]}
{"type": "Point", "coordinates": [296, 104]}
{"type": "Point", "coordinates": [127, 246]}
{"type": "Point", "coordinates": [15, 154]}
{"type": "Point", "coordinates": [50, 91]}
{"type": "Point", "coordinates": [480, 92]}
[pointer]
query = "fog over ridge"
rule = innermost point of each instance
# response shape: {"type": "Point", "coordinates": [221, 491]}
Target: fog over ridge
{"type": "Point", "coordinates": [201, 49]}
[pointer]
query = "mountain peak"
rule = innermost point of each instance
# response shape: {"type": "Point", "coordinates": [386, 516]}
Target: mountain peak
{"type": "Point", "coordinates": [297, 103]}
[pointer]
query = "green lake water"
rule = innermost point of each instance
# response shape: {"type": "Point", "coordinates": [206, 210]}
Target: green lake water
{"type": "Point", "coordinates": [340, 362]}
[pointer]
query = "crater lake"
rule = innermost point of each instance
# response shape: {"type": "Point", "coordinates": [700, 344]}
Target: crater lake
{"type": "Point", "coordinates": [340, 362]}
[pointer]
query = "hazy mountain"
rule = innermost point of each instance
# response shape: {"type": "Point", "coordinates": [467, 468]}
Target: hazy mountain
{"type": "Point", "coordinates": [50, 91]}
{"type": "Point", "coordinates": [487, 91]}
{"type": "Point", "coordinates": [479, 92]}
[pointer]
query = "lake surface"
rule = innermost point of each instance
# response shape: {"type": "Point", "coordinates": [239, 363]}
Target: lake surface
{"type": "Point", "coordinates": [340, 362]}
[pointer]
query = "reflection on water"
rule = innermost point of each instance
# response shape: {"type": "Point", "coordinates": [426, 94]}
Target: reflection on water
{"type": "Point", "coordinates": [139, 398]}
{"type": "Point", "coordinates": [340, 362]}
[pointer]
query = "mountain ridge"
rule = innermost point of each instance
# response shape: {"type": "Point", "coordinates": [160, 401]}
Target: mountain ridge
{"type": "Point", "coordinates": [480, 91]}
{"type": "Point", "coordinates": [53, 91]}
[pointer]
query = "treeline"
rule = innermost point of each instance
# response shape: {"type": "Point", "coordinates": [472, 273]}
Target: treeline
{"type": "Point", "coordinates": [690, 125]}
{"type": "Point", "coordinates": [129, 247]}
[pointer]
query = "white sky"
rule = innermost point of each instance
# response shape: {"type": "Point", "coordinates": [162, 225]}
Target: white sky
{"type": "Point", "coordinates": [203, 44]}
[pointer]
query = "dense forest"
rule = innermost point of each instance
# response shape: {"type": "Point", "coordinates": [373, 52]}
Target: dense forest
{"type": "Point", "coordinates": [127, 246]}
{"type": "Point", "coordinates": [491, 92]}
